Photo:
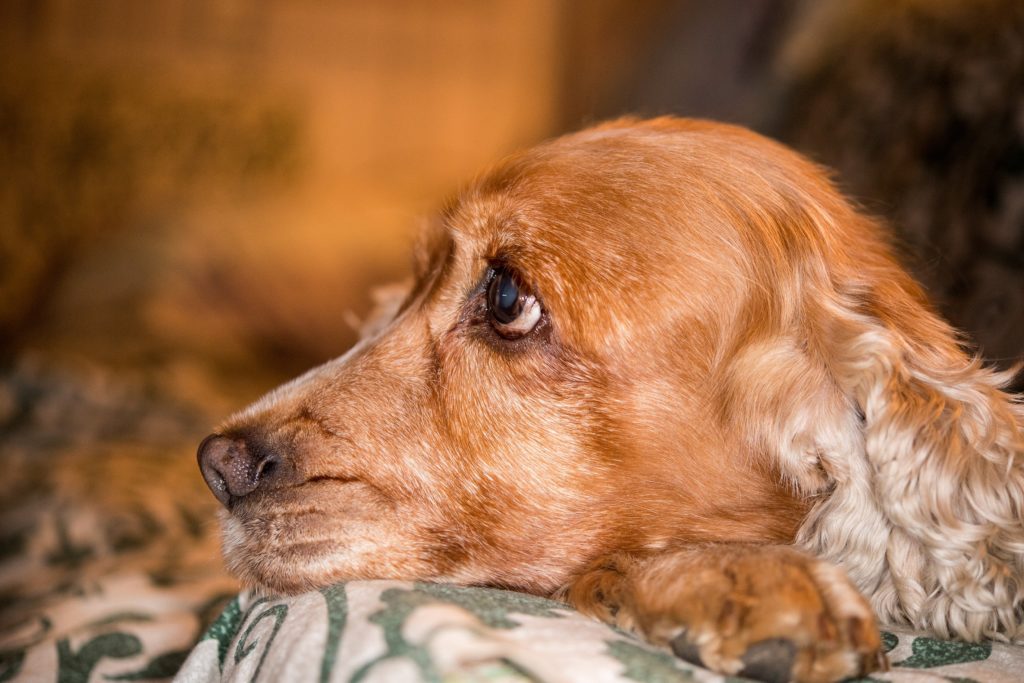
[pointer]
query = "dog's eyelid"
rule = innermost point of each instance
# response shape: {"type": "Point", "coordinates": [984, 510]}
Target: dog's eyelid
{"type": "Point", "coordinates": [505, 260]}
{"type": "Point", "coordinates": [501, 264]}
{"type": "Point", "coordinates": [513, 307]}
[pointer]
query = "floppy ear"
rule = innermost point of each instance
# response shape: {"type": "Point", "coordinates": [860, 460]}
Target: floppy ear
{"type": "Point", "coordinates": [866, 402]}
{"type": "Point", "coordinates": [934, 474]}
{"type": "Point", "coordinates": [921, 451]}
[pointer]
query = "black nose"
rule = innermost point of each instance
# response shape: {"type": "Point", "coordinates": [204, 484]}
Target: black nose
{"type": "Point", "coordinates": [233, 468]}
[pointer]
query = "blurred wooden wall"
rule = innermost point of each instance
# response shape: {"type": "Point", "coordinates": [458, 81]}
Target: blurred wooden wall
{"type": "Point", "coordinates": [245, 171]}
{"type": "Point", "coordinates": [396, 88]}
{"type": "Point", "coordinates": [387, 107]}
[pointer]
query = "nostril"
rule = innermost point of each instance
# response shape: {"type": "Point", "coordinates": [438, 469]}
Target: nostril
{"type": "Point", "coordinates": [267, 468]}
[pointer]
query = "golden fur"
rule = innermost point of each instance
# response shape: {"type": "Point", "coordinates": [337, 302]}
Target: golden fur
{"type": "Point", "coordinates": [729, 362]}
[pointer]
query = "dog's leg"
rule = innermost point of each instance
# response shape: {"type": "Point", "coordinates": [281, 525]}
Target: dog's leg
{"type": "Point", "coordinates": [763, 611]}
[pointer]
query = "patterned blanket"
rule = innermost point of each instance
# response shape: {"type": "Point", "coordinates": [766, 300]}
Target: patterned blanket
{"type": "Point", "coordinates": [129, 628]}
{"type": "Point", "coordinates": [390, 631]}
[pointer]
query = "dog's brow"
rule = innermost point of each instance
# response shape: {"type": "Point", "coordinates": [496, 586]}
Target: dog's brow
{"type": "Point", "coordinates": [448, 209]}
{"type": "Point", "coordinates": [434, 243]}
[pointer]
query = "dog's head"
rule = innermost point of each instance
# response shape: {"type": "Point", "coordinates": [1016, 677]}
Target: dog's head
{"type": "Point", "coordinates": [606, 338]}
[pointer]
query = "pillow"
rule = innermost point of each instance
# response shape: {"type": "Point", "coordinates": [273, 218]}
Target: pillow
{"type": "Point", "coordinates": [367, 631]}
{"type": "Point", "coordinates": [395, 631]}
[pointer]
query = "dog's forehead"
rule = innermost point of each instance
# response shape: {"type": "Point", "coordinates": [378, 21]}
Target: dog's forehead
{"type": "Point", "coordinates": [651, 181]}
{"type": "Point", "coordinates": [624, 223]}
{"type": "Point", "coordinates": [570, 195]}
{"type": "Point", "coordinates": [596, 224]}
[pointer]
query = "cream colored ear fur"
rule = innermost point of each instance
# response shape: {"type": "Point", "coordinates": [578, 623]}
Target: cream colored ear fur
{"type": "Point", "coordinates": [914, 456]}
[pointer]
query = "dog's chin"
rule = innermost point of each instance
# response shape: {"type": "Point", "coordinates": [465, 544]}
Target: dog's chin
{"type": "Point", "coordinates": [263, 581]}
{"type": "Point", "coordinates": [266, 563]}
{"type": "Point", "coordinates": [281, 562]}
{"type": "Point", "coordinates": [295, 557]}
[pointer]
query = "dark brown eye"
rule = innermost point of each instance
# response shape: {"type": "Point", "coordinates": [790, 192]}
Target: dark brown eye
{"type": "Point", "coordinates": [513, 310]}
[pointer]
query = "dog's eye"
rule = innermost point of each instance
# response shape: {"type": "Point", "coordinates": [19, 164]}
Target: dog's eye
{"type": "Point", "coordinates": [513, 310]}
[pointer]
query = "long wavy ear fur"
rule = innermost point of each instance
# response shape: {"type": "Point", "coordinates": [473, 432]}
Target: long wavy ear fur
{"type": "Point", "coordinates": [943, 448]}
{"type": "Point", "coordinates": [866, 401]}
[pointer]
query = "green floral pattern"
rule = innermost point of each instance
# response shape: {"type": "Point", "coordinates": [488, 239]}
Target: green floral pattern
{"type": "Point", "coordinates": [384, 631]}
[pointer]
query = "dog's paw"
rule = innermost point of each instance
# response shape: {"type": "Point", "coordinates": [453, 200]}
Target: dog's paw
{"type": "Point", "coordinates": [768, 613]}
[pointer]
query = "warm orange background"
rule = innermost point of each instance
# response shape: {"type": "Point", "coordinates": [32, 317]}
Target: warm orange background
{"type": "Point", "coordinates": [216, 185]}
{"type": "Point", "coordinates": [204, 192]}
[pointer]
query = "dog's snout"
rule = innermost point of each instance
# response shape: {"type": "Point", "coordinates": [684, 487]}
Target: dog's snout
{"type": "Point", "coordinates": [233, 468]}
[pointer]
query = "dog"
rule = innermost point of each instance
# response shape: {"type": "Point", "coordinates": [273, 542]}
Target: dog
{"type": "Point", "coordinates": [664, 371]}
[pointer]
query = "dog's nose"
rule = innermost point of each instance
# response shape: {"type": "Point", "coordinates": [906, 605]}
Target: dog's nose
{"type": "Point", "coordinates": [232, 468]}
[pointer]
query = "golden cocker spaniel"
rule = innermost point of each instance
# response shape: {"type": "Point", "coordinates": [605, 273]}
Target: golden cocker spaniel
{"type": "Point", "coordinates": [664, 371]}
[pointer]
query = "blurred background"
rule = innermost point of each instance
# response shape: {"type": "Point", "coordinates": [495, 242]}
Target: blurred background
{"type": "Point", "coordinates": [199, 196]}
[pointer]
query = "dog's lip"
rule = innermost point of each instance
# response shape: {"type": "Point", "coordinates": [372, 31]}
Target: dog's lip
{"type": "Point", "coordinates": [295, 500]}
{"type": "Point", "coordinates": [338, 479]}
{"type": "Point", "coordinates": [279, 511]}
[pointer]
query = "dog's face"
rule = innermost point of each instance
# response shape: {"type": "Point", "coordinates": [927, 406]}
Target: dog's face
{"type": "Point", "coordinates": [555, 386]}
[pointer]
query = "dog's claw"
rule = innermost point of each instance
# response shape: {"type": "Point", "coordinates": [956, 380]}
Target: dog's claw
{"type": "Point", "coordinates": [686, 649]}
{"type": "Point", "coordinates": [769, 660]}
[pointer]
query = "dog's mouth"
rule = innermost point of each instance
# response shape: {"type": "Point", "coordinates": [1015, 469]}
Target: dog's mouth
{"type": "Point", "coordinates": [307, 497]}
{"type": "Point", "coordinates": [289, 550]}
{"type": "Point", "coordinates": [319, 510]}
{"type": "Point", "coordinates": [269, 558]}
{"type": "Point", "coordinates": [320, 532]}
